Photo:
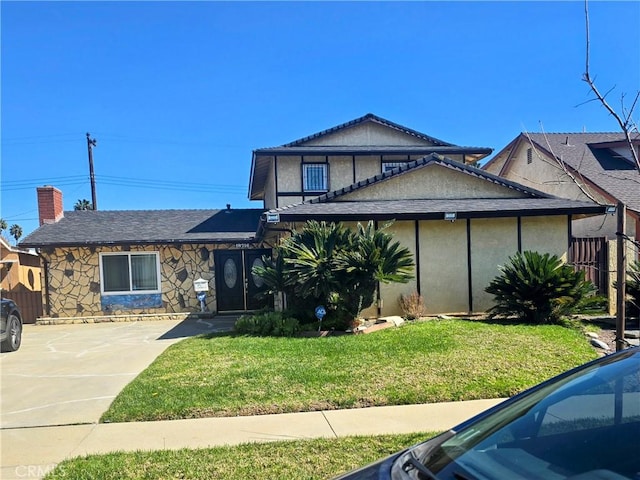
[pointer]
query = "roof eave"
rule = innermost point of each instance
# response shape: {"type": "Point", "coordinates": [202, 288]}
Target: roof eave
{"type": "Point", "coordinates": [39, 245]}
{"type": "Point", "coordinates": [439, 215]}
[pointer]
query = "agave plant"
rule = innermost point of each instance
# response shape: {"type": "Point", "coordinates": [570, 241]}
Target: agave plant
{"type": "Point", "coordinates": [539, 288]}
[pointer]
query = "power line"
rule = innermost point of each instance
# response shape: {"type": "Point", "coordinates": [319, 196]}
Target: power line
{"type": "Point", "coordinates": [123, 182]}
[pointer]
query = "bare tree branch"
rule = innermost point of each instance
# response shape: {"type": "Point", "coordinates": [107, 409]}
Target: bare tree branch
{"type": "Point", "coordinates": [562, 165]}
{"type": "Point", "coordinates": [626, 123]}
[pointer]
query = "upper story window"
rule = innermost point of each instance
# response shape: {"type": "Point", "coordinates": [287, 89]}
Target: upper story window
{"type": "Point", "coordinates": [386, 166]}
{"type": "Point", "coordinates": [314, 177]}
{"type": "Point", "coordinates": [529, 155]}
{"type": "Point", "coordinates": [126, 273]}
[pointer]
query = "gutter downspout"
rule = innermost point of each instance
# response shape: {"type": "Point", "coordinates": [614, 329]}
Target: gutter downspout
{"type": "Point", "coordinates": [45, 272]}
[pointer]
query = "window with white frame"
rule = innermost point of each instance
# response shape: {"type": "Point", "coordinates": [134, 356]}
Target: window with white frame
{"type": "Point", "coordinates": [314, 177]}
{"type": "Point", "coordinates": [387, 166]}
{"type": "Point", "coordinates": [130, 272]}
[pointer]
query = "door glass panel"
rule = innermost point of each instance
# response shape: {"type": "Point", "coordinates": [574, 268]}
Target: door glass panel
{"type": "Point", "coordinates": [230, 273]}
{"type": "Point", "coordinates": [257, 281]}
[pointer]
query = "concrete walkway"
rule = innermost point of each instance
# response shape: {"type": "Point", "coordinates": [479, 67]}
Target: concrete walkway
{"type": "Point", "coordinates": [29, 453]}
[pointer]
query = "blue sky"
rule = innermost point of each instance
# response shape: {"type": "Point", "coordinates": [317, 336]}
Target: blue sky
{"type": "Point", "coordinates": [178, 94]}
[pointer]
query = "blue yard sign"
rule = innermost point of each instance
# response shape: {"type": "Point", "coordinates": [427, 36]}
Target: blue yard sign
{"type": "Point", "coordinates": [320, 313]}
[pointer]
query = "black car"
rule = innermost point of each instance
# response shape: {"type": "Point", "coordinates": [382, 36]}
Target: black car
{"type": "Point", "coordinates": [583, 424]}
{"type": "Point", "coordinates": [10, 326]}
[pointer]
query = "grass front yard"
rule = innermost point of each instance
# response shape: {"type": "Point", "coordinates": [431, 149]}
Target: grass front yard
{"type": "Point", "coordinates": [309, 459]}
{"type": "Point", "coordinates": [422, 362]}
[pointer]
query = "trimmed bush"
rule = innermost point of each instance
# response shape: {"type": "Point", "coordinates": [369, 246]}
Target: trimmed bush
{"type": "Point", "coordinates": [269, 324]}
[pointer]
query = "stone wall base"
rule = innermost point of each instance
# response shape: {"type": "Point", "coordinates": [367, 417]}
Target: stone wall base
{"type": "Point", "coordinates": [122, 318]}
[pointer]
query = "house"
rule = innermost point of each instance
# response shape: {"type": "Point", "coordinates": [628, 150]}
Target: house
{"type": "Point", "coordinates": [144, 261]}
{"type": "Point", "coordinates": [20, 279]}
{"type": "Point", "coordinates": [460, 222]}
{"type": "Point", "coordinates": [579, 166]}
{"type": "Point", "coordinates": [587, 167]}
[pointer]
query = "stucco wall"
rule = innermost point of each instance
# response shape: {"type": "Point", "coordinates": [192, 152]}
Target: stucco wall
{"type": "Point", "coordinates": [340, 172]}
{"type": "Point", "coordinates": [403, 232]}
{"type": "Point", "coordinates": [74, 280]}
{"type": "Point", "coordinates": [444, 267]}
{"type": "Point", "coordinates": [367, 166]}
{"type": "Point", "coordinates": [442, 256]}
{"type": "Point", "coordinates": [546, 234]}
{"type": "Point", "coordinates": [492, 242]}
{"type": "Point", "coordinates": [269, 199]}
{"type": "Point", "coordinates": [289, 174]}
{"type": "Point", "coordinates": [367, 134]}
{"type": "Point", "coordinates": [433, 182]}
{"type": "Point", "coordinates": [542, 174]}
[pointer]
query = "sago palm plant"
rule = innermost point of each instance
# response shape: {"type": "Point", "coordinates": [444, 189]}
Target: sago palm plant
{"type": "Point", "coordinates": [539, 288]}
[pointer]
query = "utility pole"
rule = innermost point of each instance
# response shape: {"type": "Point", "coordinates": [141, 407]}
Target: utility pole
{"type": "Point", "coordinates": [621, 276]}
{"type": "Point", "coordinates": [91, 142]}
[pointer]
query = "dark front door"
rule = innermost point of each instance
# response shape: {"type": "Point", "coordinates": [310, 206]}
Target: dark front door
{"type": "Point", "coordinates": [236, 286]}
{"type": "Point", "coordinates": [255, 285]}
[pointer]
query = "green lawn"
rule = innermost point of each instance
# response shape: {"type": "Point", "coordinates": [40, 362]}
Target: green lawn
{"type": "Point", "coordinates": [306, 459]}
{"type": "Point", "coordinates": [423, 362]}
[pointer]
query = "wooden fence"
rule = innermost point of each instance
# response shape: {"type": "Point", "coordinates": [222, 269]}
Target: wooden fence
{"type": "Point", "coordinates": [29, 303]}
{"type": "Point", "coordinates": [591, 255]}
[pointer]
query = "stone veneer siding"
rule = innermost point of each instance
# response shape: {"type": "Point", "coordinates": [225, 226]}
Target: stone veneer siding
{"type": "Point", "coordinates": [74, 279]}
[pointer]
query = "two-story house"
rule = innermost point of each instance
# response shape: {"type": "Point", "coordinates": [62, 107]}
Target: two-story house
{"type": "Point", "coordinates": [460, 223]}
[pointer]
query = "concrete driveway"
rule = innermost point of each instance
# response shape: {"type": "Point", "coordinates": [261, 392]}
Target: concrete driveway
{"type": "Point", "coordinates": [70, 374]}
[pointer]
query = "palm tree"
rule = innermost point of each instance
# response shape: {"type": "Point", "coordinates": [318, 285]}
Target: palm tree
{"type": "Point", "coordinates": [331, 265]}
{"type": "Point", "coordinates": [15, 231]}
{"type": "Point", "coordinates": [3, 225]}
{"type": "Point", "coordinates": [83, 204]}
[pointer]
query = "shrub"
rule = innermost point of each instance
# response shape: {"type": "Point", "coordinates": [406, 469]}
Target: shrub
{"type": "Point", "coordinates": [633, 286]}
{"type": "Point", "coordinates": [412, 306]}
{"type": "Point", "coordinates": [537, 288]}
{"type": "Point", "coordinates": [329, 264]}
{"type": "Point", "coordinates": [273, 324]}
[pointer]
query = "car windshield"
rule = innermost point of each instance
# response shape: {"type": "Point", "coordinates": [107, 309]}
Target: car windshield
{"type": "Point", "coordinates": [585, 425]}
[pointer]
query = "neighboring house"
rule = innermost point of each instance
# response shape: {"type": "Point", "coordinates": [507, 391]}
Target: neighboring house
{"type": "Point", "coordinates": [578, 166]}
{"type": "Point", "coordinates": [461, 223]}
{"type": "Point", "coordinates": [20, 279]}
{"type": "Point", "coordinates": [144, 261]}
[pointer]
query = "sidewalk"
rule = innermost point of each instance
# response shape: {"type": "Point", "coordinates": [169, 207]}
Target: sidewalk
{"type": "Point", "coordinates": [30, 453]}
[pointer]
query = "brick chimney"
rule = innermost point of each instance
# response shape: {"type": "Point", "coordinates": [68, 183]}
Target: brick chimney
{"type": "Point", "coordinates": [50, 208]}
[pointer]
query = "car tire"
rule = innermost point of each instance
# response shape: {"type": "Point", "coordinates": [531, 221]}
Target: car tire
{"type": "Point", "coordinates": [14, 334]}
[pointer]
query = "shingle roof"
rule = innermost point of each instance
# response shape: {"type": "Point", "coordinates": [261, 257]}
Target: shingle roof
{"type": "Point", "coordinates": [434, 209]}
{"type": "Point", "coordinates": [330, 206]}
{"type": "Point", "coordinates": [104, 227]}
{"type": "Point", "coordinates": [588, 154]}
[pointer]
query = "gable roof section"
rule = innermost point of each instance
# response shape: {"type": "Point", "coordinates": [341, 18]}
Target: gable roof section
{"type": "Point", "coordinates": [592, 156]}
{"type": "Point", "coordinates": [433, 159]}
{"type": "Point", "coordinates": [534, 203]}
{"type": "Point", "coordinates": [120, 227]}
{"type": "Point", "coordinates": [262, 157]}
{"type": "Point", "coordinates": [369, 117]}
